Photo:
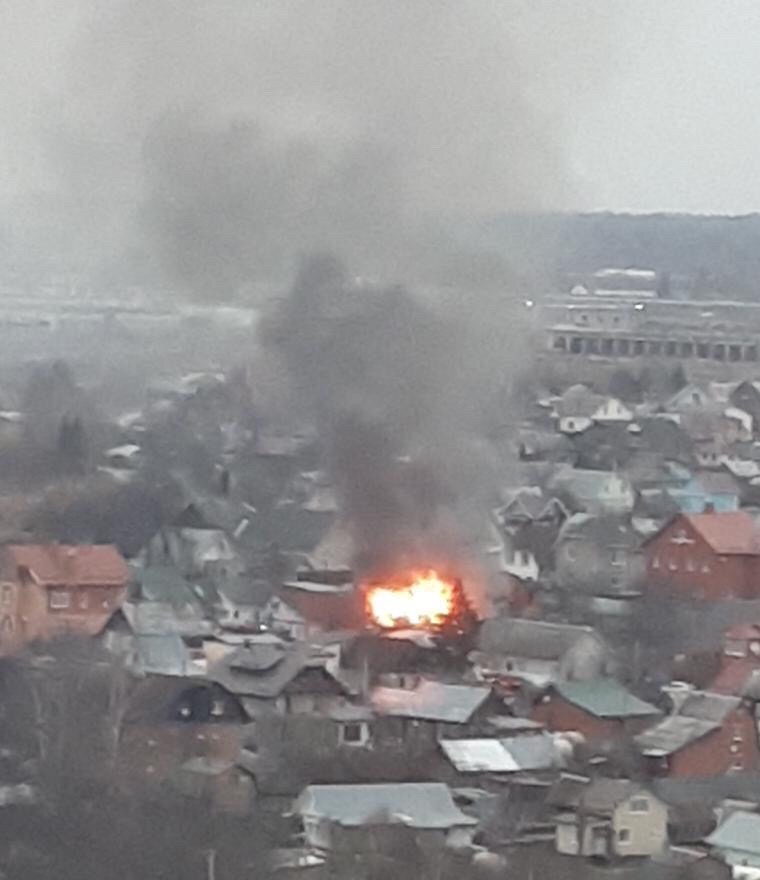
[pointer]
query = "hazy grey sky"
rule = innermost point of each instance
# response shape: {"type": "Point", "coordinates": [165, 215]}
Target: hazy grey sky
{"type": "Point", "coordinates": [676, 123]}
{"type": "Point", "coordinates": [485, 104]}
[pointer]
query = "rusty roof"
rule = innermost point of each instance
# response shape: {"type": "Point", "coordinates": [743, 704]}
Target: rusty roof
{"type": "Point", "coordinates": [82, 565]}
{"type": "Point", "coordinates": [732, 533]}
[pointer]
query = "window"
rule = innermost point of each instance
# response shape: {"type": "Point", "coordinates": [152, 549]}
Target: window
{"type": "Point", "coordinates": [624, 835]}
{"type": "Point", "coordinates": [656, 562]}
{"type": "Point", "coordinates": [735, 648]}
{"type": "Point", "coordinates": [618, 557]}
{"type": "Point", "coordinates": [83, 601]}
{"type": "Point", "coordinates": [354, 733]}
{"type": "Point", "coordinates": [639, 805]}
{"type": "Point", "coordinates": [690, 564]}
{"type": "Point", "coordinates": [7, 595]}
{"type": "Point", "coordinates": [59, 599]}
{"type": "Point", "coordinates": [571, 552]}
{"type": "Point", "coordinates": [705, 568]}
{"type": "Point", "coordinates": [673, 565]}
{"type": "Point", "coordinates": [217, 708]}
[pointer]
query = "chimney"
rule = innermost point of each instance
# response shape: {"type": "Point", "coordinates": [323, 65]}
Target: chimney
{"type": "Point", "coordinates": [679, 692]}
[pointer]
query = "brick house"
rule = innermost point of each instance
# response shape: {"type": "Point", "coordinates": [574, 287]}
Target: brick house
{"type": "Point", "coordinates": [599, 709]}
{"type": "Point", "coordinates": [47, 591]}
{"type": "Point", "coordinates": [739, 669]}
{"type": "Point", "coordinates": [187, 732]}
{"type": "Point", "coordinates": [708, 735]}
{"type": "Point", "coordinates": [709, 556]}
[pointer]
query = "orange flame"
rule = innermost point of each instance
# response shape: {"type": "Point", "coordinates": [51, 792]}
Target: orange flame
{"type": "Point", "coordinates": [425, 600]}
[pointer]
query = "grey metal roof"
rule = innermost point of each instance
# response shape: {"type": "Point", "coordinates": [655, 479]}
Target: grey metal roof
{"type": "Point", "coordinates": [264, 683]}
{"type": "Point", "coordinates": [672, 734]}
{"type": "Point", "coordinates": [430, 700]}
{"type": "Point", "coordinates": [604, 531]}
{"type": "Point", "coordinates": [741, 831]}
{"type": "Point", "coordinates": [414, 804]}
{"type": "Point", "coordinates": [701, 713]}
{"type": "Point", "coordinates": [599, 796]}
{"type": "Point", "coordinates": [162, 654]}
{"type": "Point", "coordinates": [510, 755]}
{"type": "Point", "coordinates": [533, 752]}
{"type": "Point", "coordinates": [318, 587]}
{"type": "Point", "coordinates": [479, 756]}
{"type": "Point", "coordinates": [707, 706]}
{"type": "Point", "coordinates": [605, 698]}
{"type": "Point", "coordinates": [255, 656]}
{"type": "Point", "coordinates": [536, 639]}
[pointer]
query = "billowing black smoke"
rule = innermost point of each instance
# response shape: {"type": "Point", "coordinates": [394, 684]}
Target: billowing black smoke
{"type": "Point", "coordinates": [389, 383]}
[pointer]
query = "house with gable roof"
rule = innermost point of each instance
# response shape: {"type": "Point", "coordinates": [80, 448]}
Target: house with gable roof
{"type": "Point", "coordinates": [342, 816]}
{"type": "Point", "coordinates": [707, 734]}
{"type": "Point", "coordinates": [608, 818]}
{"type": "Point", "coordinates": [539, 652]}
{"type": "Point", "coordinates": [594, 491]}
{"type": "Point", "coordinates": [53, 590]}
{"type": "Point", "coordinates": [708, 556]}
{"type": "Point", "coordinates": [599, 709]}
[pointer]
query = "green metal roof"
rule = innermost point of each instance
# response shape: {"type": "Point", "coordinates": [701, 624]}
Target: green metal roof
{"type": "Point", "coordinates": [605, 698]}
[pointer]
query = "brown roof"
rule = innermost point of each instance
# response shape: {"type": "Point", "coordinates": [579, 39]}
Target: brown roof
{"type": "Point", "coordinates": [728, 533]}
{"type": "Point", "coordinates": [86, 565]}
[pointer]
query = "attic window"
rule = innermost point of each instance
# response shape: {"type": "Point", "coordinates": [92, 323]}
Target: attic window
{"type": "Point", "coordinates": [59, 599]}
{"type": "Point", "coordinates": [640, 805]}
{"type": "Point", "coordinates": [354, 733]}
{"type": "Point", "coordinates": [217, 708]}
{"type": "Point", "coordinates": [624, 835]}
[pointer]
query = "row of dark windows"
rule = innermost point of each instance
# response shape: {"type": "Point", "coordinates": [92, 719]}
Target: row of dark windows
{"type": "Point", "coordinates": [733, 352]}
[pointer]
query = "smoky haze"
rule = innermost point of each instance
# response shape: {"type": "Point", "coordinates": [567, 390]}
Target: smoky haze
{"type": "Point", "coordinates": [406, 398]}
{"type": "Point", "coordinates": [213, 143]}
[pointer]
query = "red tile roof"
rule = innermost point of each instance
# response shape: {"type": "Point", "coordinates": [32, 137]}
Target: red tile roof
{"type": "Point", "coordinates": [728, 533]}
{"type": "Point", "coordinates": [86, 565]}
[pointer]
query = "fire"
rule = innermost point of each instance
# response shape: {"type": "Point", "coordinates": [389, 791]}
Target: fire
{"type": "Point", "coordinates": [426, 599]}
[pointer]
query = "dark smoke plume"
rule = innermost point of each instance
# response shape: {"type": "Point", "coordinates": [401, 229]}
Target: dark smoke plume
{"type": "Point", "coordinates": [207, 144]}
{"type": "Point", "coordinates": [401, 409]}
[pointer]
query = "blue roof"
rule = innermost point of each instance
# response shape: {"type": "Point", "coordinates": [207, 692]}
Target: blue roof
{"type": "Point", "coordinates": [741, 831]}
